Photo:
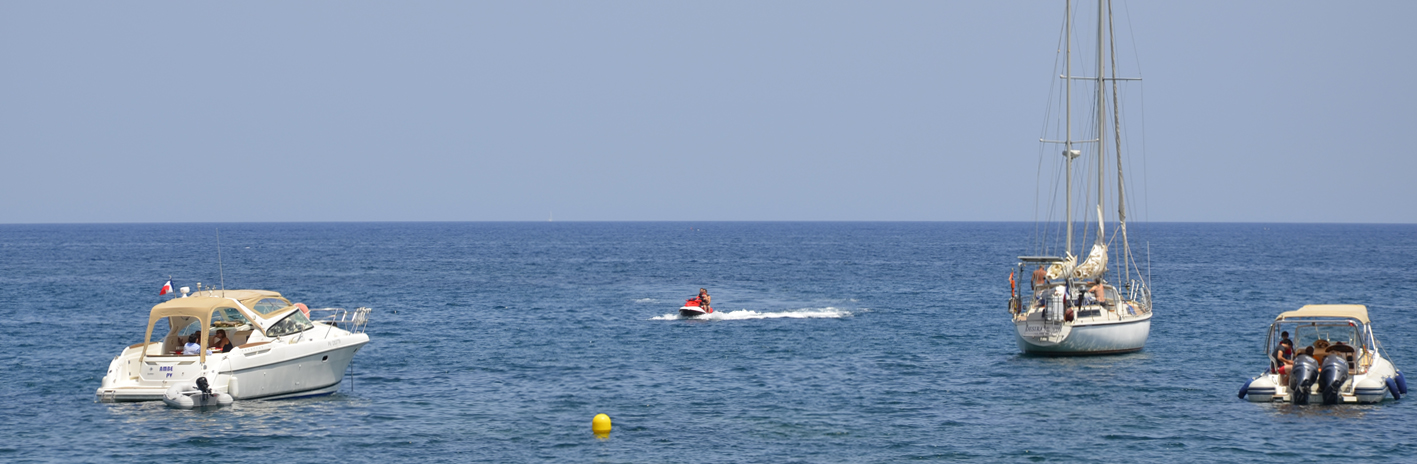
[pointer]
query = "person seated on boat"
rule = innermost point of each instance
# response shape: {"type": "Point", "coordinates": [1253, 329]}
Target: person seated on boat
{"type": "Point", "coordinates": [704, 298]}
{"type": "Point", "coordinates": [1283, 360]}
{"type": "Point", "coordinates": [1283, 357]}
{"type": "Point", "coordinates": [219, 342]}
{"type": "Point", "coordinates": [192, 347]}
{"type": "Point", "coordinates": [1040, 279]}
{"type": "Point", "coordinates": [1097, 293]}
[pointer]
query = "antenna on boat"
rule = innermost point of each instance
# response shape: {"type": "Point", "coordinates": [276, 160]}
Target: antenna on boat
{"type": "Point", "coordinates": [220, 273]}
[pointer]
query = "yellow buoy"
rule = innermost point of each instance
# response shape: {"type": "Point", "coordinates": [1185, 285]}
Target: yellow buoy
{"type": "Point", "coordinates": [600, 425]}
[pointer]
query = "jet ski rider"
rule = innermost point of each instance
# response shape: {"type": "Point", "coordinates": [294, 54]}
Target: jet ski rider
{"type": "Point", "coordinates": [703, 298]}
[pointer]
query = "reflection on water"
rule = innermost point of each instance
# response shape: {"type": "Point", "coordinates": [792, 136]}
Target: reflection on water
{"type": "Point", "coordinates": [303, 417]}
{"type": "Point", "coordinates": [1319, 411]}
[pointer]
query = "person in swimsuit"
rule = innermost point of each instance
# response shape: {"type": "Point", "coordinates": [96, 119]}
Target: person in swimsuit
{"type": "Point", "coordinates": [1040, 278]}
{"type": "Point", "coordinates": [1098, 291]}
{"type": "Point", "coordinates": [704, 298]}
{"type": "Point", "coordinates": [219, 342]}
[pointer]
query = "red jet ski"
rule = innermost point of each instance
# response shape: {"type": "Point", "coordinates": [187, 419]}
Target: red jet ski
{"type": "Point", "coordinates": [693, 309]}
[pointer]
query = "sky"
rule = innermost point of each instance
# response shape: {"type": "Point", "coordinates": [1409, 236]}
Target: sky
{"type": "Point", "coordinates": [684, 111]}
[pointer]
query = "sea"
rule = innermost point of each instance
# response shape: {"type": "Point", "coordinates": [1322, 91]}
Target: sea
{"type": "Point", "coordinates": [832, 342]}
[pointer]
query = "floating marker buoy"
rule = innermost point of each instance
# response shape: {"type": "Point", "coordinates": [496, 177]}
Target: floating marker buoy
{"type": "Point", "coordinates": [600, 425]}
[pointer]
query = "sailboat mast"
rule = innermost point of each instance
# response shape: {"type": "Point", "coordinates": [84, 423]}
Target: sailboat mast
{"type": "Point", "coordinates": [1117, 134]}
{"type": "Point", "coordinates": [1101, 119]}
{"type": "Point", "coordinates": [1068, 112]}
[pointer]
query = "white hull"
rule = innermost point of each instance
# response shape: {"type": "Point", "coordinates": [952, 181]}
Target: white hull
{"type": "Point", "coordinates": [293, 366]}
{"type": "Point", "coordinates": [1036, 336]}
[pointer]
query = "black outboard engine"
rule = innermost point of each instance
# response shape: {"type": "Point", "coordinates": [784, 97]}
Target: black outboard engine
{"type": "Point", "coordinates": [1331, 379]}
{"type": "Point", "coordinates": [205, 389]}
{"type": "Point", "coordinates": [1306, 371]}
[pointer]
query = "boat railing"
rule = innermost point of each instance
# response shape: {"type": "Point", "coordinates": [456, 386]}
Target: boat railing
{"type": "Point", "coordinates": [1138, 291]}
{"type": "Point", "coordinates": [353, 321]}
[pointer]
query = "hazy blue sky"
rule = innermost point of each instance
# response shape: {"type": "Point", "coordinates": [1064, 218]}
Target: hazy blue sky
{"type": "Point", "coordinates": [756, 110]}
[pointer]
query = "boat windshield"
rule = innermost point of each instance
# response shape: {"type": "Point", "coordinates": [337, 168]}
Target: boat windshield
{"type": "Point", "coordinates": [1320, 334]}
{"type": "Point", "coordinates": [294, 323]}
{"type": "Point", "coordinates": [269, 305]}
{"type": "Point", "coordinates": [228, 317]}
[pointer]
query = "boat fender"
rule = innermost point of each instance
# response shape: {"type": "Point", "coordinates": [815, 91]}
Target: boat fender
{"type": "Point", "coordinates": [1245, 388]}
{"type": "Point", "coordinates": [1401, 383]}
{"type": "Point", "coordinates": [1392, 388]}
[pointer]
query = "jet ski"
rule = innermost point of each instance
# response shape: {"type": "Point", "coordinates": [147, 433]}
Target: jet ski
{"type": "Point", "coordinates": [693, 309]}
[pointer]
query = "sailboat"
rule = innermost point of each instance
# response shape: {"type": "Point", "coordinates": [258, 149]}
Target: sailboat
{"type": "Point", "coordinates": [1101, 305]}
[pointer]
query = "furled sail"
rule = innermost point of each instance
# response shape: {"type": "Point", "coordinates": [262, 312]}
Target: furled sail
{"type": "Point", "coordinates": [1062, 268]}
{"type": "Point", "coordinates": [1094, 266]}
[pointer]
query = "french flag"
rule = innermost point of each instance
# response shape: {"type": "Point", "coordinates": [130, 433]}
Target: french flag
{"type": "Point", "coordinates": [166, 288]}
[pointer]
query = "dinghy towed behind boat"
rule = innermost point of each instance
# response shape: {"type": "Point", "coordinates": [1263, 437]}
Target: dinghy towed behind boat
{"type": "Point", "coordinates": [1085, 308]}
{"type": "Point", "coordinates": [277, 350]}
{"type": "Point", "coordinates": [1346, 365]}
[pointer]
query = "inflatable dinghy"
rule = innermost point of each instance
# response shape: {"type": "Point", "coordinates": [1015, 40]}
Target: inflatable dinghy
{"type": "Point", "coordinates": [182, 396]}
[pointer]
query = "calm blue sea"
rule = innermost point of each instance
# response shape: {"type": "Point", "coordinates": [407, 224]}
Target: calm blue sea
{"type": "Point", "coordinates": [835, 342]}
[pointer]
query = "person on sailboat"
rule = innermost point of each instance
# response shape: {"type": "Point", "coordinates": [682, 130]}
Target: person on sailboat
{"type": "Point", "coordinates": [1098, 291]}
{"type": "Point", "coordinates": [1040, 279]}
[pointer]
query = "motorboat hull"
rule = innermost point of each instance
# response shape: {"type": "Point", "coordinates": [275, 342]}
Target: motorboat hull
{"type": "Point", "coordinates": [1369, 387]}
{"type": "Point", "coordinates": [301, 366]}
{"type": "Point", "coordinates": [693, 308]}
{"type": "Point", "coordinates": [691, 311]}
{"type": "Point", "coordinates": [1039, 337]}
{"type": "Point", "coordinates": [311, 373]}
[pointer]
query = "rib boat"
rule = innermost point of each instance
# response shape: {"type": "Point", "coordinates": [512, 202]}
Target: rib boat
{"type": "Point", "coordinates": [277, 350]}
{"type": "Point", "coordinates": [1336, 360]}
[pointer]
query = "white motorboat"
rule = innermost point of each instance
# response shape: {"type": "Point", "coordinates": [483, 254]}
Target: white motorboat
{"type": "Point", "coordinates": [276, 349]}
{"type": "Point", "coordinates": [1086, 308]}
{"type": "Point", "coordinates": [1334, 356]}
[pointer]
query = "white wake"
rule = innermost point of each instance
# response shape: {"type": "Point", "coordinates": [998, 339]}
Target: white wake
{"type": "Point", "coordinates": [746, 314]}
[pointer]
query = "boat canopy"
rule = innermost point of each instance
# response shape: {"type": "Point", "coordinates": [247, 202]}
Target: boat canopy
{"type": "Point", "coordinates": [196, 307]}
{"type": "Point", "coordinates": [201, 305]}
{"type": "Point", "coordinates": [247, 297]}
{"type": "Point", "coordinates": [1358, 312]}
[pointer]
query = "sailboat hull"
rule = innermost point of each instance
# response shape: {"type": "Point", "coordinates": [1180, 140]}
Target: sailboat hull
{"type": "Point", "coordinates": [1112, 337]}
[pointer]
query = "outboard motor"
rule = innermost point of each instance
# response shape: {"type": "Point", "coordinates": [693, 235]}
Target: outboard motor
{"type": "Point", "coordinates": [1306, 371]}
{"type": "Point", "coordinates": [1331, 379]}
{"type": "Point", "coordinates": [206, 389]}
